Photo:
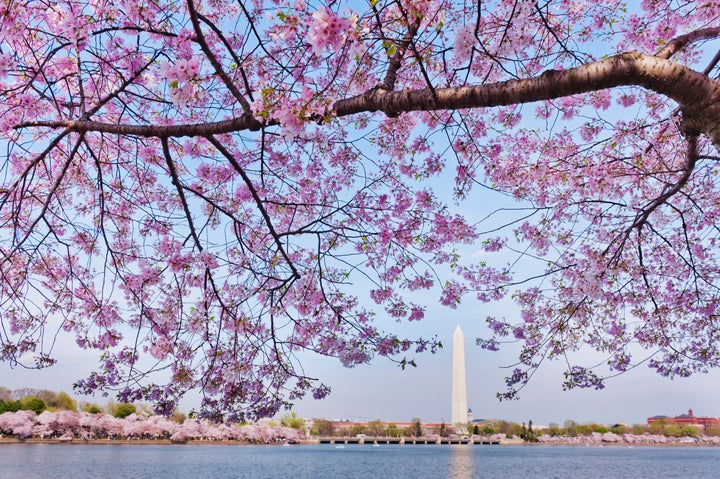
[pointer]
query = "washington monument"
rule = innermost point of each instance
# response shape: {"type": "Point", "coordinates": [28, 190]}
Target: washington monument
{"type": "Point", "coordinates": [459, 390]}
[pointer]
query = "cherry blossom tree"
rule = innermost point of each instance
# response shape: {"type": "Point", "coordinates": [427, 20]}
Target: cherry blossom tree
{"type": "Point", "coordinates": [46, 424]}
{"type": "Point", "coordinates": [71, 424]}
{"type": "Point", "coordinates": [203, 190]}
{"type": "Point", "coordinates": [20, 423]}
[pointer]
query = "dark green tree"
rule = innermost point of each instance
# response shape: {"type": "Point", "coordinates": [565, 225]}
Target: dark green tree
{"type": "Point", "coordinates": [62, 400]}
{"type": "Point", "coordinates": [33, 403]}
{"type": "Point", "coordinates": [91, 408]}
{"type": "Point", "coordinates": [9, 406]}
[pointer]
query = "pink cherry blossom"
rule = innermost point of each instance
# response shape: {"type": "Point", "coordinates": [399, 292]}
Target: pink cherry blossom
{"type": "Point", "coordinates": [200, 191]}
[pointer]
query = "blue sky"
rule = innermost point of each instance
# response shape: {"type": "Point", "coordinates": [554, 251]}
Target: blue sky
{"type": "Point", "coordinates": [381, 390]}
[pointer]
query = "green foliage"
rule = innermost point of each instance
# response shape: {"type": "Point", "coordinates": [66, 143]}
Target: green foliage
{"type": "Point", "coordinates": [416, 428]}
{"type": "Point", "coordinates": [33, 403]}
{"type": "Point", "coordinates": [574, 429]}
{"type": "Point", "coordinates": [502, 427]}
{"type": "Point", "coordinates": [357, 429]}
{"type": "Point", "coordinates": [292, 420]}
{"type": "Point", "coordinates": [123, 410]}
{"type": "Point", "coordinates": [672, 429]}
{"type": "Point", "coordinates": [9, 406]}
{"type": "Point", "coordinates": [527, 433]}
{"type": "Point", "coordinates": [393, 430]}
{"type": "Point", "coordinates": [62, 400]}
{"type": "Point", "coordinates": [662, 428]}
{"type": "Point", "coordinates": [375, 428]}
{"type": "Point", "coordinates": [91, 408]}
{"type": "Point", "coordinates": [487, 429]}
{"type": "Point", "coordinates": [598, 428]}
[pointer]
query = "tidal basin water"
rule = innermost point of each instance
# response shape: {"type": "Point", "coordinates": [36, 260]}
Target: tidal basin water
{"type": "Point", "coordinates": [48, 461]}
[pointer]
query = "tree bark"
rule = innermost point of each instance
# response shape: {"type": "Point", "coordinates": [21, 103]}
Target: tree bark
{"type": "Point", "coordinates": [697, 94]}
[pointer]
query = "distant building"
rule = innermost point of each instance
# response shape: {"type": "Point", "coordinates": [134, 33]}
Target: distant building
{"type": "Point", "coordinates": [688, 419]}
{"type": "Point", "coordinates": [352, 428]}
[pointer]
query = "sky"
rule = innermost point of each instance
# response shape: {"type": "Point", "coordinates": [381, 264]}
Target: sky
{"type": "Point", "coordinates": [382, 391]}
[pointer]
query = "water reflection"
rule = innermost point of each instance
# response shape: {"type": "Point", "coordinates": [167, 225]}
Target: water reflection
{"type": "Point", "coordinates": [462, 462]}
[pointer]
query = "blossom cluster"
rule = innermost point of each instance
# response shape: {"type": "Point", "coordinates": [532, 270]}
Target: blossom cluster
{"type": "Point", "coordinates": [329, 31]}
{"type": "Point", "coordinates": [597, 438]}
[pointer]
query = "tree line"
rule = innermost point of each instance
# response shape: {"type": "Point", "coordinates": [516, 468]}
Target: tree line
{"type": "Point", "coordinates": [525, 431]}
{"type": "Point", "coordinates": [40, 400]}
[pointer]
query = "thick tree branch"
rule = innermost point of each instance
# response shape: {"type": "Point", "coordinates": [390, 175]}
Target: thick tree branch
{"type": "Point", "coordinates": [240, 123]}
{"type": "Point", "coordinates": [627, 69]}
{"type": "Point", "coordinates": [696, 93]}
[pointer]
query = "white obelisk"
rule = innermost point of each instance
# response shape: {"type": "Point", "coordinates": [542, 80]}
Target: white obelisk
{"type": "Point", "coordinates": [459, 390]}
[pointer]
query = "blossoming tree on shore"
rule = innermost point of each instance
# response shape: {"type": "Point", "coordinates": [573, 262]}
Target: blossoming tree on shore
{"type": "Point", "coordinates": [82, 425]}
{"type": "Point", "coordinates": [202, 190]}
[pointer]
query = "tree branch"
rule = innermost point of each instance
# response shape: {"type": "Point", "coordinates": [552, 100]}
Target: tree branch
{"type": "Point", "coordinates": [401, 48]}
{"type": "Point", "coordinates": [695, 92]}
{"type": "Point", "coordinates": [697, 95]}
{"type": "Point", "coordinates": [692, 157]}
{"type": "Point", "coordinates": [626, 69]}
{"type": "Point", "coordinates": [678, 43]}
{"type": "Point", "coordinates": [240, 123]}
{"type": "Point", "coordinates": [258, 201]}
{"type": "Point", "coordinates": [214, 61]}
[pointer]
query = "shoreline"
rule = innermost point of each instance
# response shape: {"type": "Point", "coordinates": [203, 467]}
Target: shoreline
{"type": "Point", "coordinates": [123, 442]}
{"type": "Point", "coordinates": [204, 442]}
